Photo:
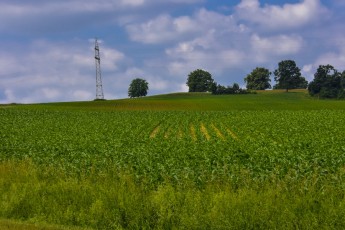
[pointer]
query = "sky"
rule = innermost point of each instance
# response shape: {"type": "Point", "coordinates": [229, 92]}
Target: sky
{"type": "Point", "coordinates": [47, 46]}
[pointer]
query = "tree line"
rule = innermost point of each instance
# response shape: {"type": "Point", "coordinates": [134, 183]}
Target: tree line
{"type": "Point", "coordinates": [201, 81]}
{"type": "Point", "coordinates": [327, 83]}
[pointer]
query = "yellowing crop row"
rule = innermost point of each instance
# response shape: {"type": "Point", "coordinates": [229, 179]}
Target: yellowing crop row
{"type": "Point", "coordinates": [195, 132]}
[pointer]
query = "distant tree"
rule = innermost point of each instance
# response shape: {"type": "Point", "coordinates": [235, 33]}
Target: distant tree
{"type": "Point", "coordinates": [219, 89]}
{"type": "Point", "coordinates": [258, 79]}
{"type": "Point", "coordinates": [200, 81]}
{"type": "Point", "coordinates": [327, 83]}
{"type": "Point", "coordinates": [213, 87]}
{"type": "Point", "coordinates": [303, 84]}
{"type": "Point", "coordinates": [138, 88]}
{"type": "Point", "coordinates": [288, 76]}
{"type": "Point", "coordinates": [342, 92]}
{"type": "Point", "coordinates": [234, 89]}
{"type": "Point", "coordinates": [343, 79]}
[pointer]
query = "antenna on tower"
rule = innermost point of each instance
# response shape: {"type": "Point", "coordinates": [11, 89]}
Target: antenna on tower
{"type": "Point", "coordinates": [99, 88]}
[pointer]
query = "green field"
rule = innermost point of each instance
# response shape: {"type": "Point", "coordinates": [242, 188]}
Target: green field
{"type": "Point", "coordinates": [186, 161]}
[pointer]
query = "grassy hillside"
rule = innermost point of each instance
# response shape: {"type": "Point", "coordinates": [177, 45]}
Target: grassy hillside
{"type": "Point", "coordinates": [263, 100]}
{"type": "Point", "coordinates": [179, 161]}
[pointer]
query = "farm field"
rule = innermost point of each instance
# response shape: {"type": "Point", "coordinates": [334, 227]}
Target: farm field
{"type": "Point", "coordinates": [264, 161]}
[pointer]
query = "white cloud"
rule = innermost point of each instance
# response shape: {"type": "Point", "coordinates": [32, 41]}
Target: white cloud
{"type": "Point", "coordinates": [65, 6]}
{"type": "Point", "coordinates": [207, 39]}
{"type": "Point", "coordinates": [81, 95]}
{"type": "Point", "coordinates": [308, 71]}
{"type": "Point", "coordinates": [307, 68]}
{"type": "Point", "coordinates": [134, 72]}
{"type": "Point", "coordinates": [183, 88]}
{"type": "Point", "coordinates": [50, 93]}
{"type": "Point", "coordinates": [158, 84]}
{"type": "Point", "coordinates": [279, 45]}
{"type": "Point", "coordinates": [132, 2]}
{"type": "Point", "coordinates": [110, 58]}
{"type": "Point", "coordinates": [24, 17]}
{"type": "Point", "coordinates": [335, 59]}
{"type": "Point", "coordinates": [9, 95]}
{"type": "Point", "coordinates": [165, 28]}
{"type": "Point", "coordinates": [281, 17]}
{"type": "Point", "coordinates": [161, 29]}
{"type": "Point", "coordinates": [202, 53]}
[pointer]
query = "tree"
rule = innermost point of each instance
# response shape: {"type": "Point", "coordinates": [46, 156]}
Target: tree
{"type": "Point", "coordinates": [303, 84]}
{"type": "Point", "coordinates": [327, 83]}
{"type": "Point", "coordinates": [234, 89]}
{"type": "Point", "coordinates": [200, 81]}
{"type": "Point", "coordinates": [138, 88]}
{"type": "Point", "coordinates": [342, 83]}
{"type": "Point", "coordinates": [288, 76]}
{"type": "Point", "coordinates": [258, 79]}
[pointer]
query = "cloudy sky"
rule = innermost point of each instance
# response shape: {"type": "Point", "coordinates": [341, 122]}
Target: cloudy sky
{"type": "Point", "coordinates": [47, 46]}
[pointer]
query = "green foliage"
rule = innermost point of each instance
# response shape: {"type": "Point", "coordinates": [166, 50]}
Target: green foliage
{"type": "Point", "coordinates": [265, 161]}
{"type": "Point", "coordinates": [303, 84]}
{"type": "Point", "coordinates": [116, 201]}
{"type": "Point", "coordinates": [200, 81]}
{"type": "Point", "coordinates": [154, 145]}
{"type": "Point", "coordinates": [234, 89]}
{"type": "Point", "coordinates": [27, 225]}
{"type": "Point", "coordinates": [288, 76]}
{"type": "Point", "coordinates": [327, 83]}
{"type": "Point", "coordinates": [138, 88]}
{"type": "Point", "coordinates": [258, 79]}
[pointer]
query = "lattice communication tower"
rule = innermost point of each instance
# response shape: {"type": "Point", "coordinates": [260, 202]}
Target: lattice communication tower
{"type": "Point", "coordinates": [99, 88]}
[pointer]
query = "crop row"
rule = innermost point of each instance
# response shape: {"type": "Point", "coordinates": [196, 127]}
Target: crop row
{"type": "Point", "coordinates": [193, 131]}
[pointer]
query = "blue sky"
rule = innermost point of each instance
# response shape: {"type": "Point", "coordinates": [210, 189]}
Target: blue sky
{"type": "Point", "coordinates": [47, 46]}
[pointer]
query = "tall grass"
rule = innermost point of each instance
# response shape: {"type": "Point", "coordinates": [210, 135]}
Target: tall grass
{"type": "Point", "coordinates": [116, 200]}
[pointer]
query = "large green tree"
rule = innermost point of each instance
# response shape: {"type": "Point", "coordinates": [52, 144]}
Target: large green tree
{"type": "Point", "coordinates": [200, 81]}
{"type": "Point", "coordinates": [327, 83]}
{"type": "Point", "coordinates": [258, 79]}
{"type": "Point", "coordinates": [288, 76]}
{"type": "Point", "coordinates": [138, 88]}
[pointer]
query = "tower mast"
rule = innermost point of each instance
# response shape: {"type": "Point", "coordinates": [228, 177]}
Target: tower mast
{"type": "Point", "coordinates": [99, 88]}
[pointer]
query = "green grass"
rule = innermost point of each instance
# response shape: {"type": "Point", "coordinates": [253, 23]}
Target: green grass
{"type": "Point", "coordinates": [263, 100]}
{"type": "Point", "coordinates": [18, 225]}
{"type": "Point", "coordinates": [179, 161]}
{"type": "Point", "coordinates": [116, 201]}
